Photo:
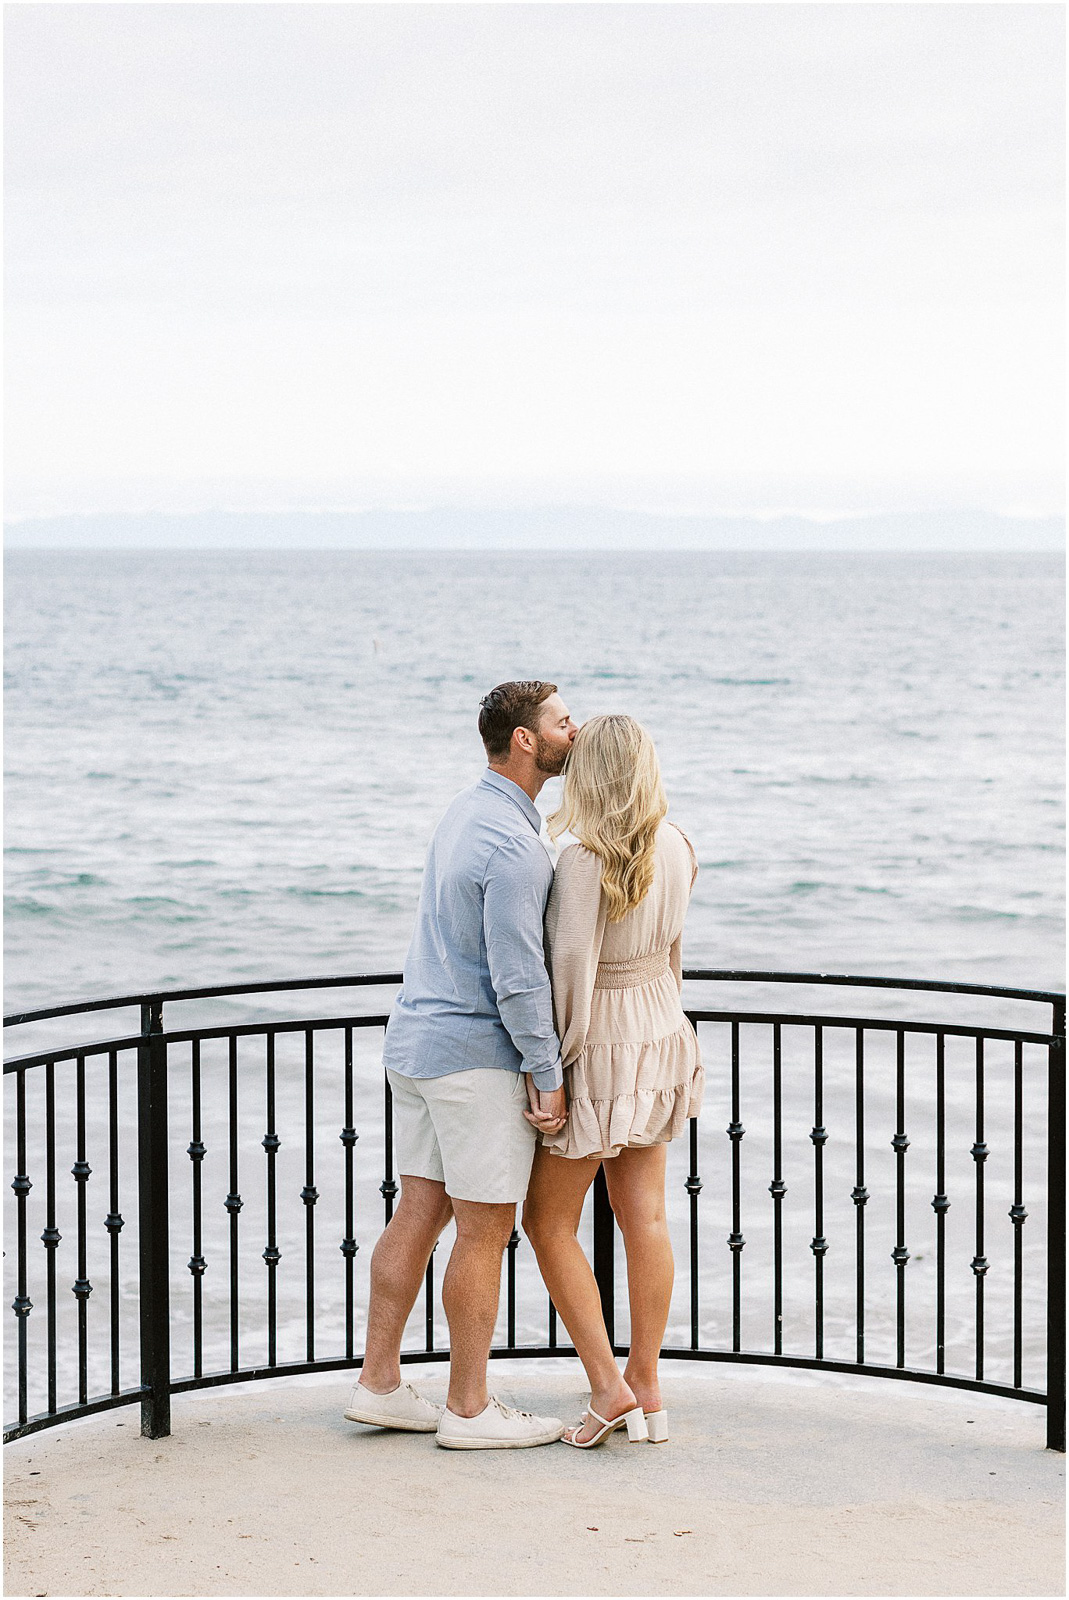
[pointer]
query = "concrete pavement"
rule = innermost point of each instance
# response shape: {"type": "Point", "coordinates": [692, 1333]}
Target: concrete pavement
{"type": "Point", "coordinates": [773, 1484]}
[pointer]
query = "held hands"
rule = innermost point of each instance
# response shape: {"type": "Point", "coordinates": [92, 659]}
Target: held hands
{"type": "Point", "coordinates": [548, 1108]}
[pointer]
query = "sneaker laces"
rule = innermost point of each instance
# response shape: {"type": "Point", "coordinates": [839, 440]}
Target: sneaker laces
{"type": "Point", "coordinates": [421, 1398]}
{"type": "Point", "coordinates": [509, 1411]}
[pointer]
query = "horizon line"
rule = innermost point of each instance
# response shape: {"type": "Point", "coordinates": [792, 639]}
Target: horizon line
{"type": "Point", "coordinates": [819, 517]}
{"type": "Point", "coordinates": [548, 550]}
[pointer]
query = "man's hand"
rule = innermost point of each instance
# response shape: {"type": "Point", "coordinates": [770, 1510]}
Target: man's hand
{"type": "Point", "coordinates": [548, 1107]}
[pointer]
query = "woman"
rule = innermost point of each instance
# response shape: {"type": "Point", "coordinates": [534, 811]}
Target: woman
{"type": "Point", "coordinates": [631, 1063]}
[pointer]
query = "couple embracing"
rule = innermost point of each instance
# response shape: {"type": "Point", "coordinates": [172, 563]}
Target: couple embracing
{"type": "Point", "coordinates": [538, 1034]}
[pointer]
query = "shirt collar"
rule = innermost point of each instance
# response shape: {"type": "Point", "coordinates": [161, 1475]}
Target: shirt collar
{"type": "Point", "coordinates": [497, 780]}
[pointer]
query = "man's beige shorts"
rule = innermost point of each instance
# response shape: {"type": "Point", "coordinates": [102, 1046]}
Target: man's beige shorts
{"type": "Point", "coordinates": [466, 1130]}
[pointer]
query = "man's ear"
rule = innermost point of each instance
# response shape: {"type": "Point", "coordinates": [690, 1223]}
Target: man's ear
{"type": "Point", "coordinates": [525, 739]}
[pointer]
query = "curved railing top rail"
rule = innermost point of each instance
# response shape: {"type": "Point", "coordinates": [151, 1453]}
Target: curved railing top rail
{"type": "Point", "coordinates": [372, 979]}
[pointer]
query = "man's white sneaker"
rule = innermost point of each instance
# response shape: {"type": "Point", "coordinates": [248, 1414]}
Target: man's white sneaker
{"type": "Point", "coordinates": [402, 1408]}
{"type": "Point", "coordinates": [497, 1428]}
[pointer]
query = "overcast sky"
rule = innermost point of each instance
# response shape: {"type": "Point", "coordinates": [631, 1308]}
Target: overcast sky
{"type": "Point", "coordinates": [673, 257]}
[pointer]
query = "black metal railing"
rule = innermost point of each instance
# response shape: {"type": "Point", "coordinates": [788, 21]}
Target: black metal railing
{"type": "Point", "coordinates": [867, 1134]}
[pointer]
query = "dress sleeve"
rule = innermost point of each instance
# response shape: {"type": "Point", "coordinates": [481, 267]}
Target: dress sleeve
{"type": "Point", "coordinates": [575, 927]}
{"type": "Point", "coordinates": [675, 953]}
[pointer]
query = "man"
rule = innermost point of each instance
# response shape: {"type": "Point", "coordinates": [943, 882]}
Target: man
{"type": "Point", "coordinates": [470, 1048]}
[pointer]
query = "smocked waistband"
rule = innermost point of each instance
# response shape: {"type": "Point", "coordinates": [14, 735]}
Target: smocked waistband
{"type": "Point", "coordinates": [629, 974]}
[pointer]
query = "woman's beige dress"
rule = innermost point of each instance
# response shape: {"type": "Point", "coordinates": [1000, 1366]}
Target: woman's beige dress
{"type": "Point", "coordinates": [632, 1067]}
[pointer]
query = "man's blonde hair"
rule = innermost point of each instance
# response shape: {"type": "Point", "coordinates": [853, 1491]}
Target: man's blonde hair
{"type": "Point", "coordinates": [614, 802]}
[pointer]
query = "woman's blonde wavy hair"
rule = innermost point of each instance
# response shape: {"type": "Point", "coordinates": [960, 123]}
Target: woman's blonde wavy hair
{"type": "Point", "coordinates": [614, 802]}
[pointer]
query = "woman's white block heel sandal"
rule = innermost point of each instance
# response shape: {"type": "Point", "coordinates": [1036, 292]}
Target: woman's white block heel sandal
{"type": "Point", "coordinates": [657, 1425]}
{"type": "Point", "coordinates": [634, 1421]}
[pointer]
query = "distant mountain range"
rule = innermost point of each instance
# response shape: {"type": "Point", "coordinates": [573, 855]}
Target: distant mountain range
{"type": "Point", "coordinates": [556, 528]}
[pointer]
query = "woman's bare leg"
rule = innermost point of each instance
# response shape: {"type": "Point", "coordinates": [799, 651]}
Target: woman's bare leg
{"type": "Point", "coordinates": [635, 1180]}
{"type": "Point", "coordinates": [551, 1216]}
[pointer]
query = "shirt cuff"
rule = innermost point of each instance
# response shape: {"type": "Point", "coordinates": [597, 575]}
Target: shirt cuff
{"type": "Point", "coordinates": [548, 1078]}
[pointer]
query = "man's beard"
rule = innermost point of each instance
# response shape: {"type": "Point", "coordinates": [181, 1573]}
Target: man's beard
{"type": "Point", "coordinates": [550, 758]}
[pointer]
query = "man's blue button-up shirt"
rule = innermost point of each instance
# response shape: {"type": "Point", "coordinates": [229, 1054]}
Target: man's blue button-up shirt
{"type": "Point", "coordinates": [476, 991]}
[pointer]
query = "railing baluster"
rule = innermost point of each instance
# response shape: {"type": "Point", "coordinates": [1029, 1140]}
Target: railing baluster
{"type": "Point", "coordinates": [777, 1188]}
{"type": "Point", "coordinates": [940, 1204]}
{"type": "Point", "coordinates": [387, 1188]}
{"type": "Point", "coordinates": [82, 1288]}
{"type": "Point", "coordinates": [153, 1224]}
{"type": "Point", "coordinates": [113, 1221]}
{"type": "Point", "coordinates": [428, 1302]}
{"type": "Point", "coordinates": [604, 1252]}
{"type": "Point", "coordinates": [510, 1290]}
{"type": "Point", "coordinates": [1056, 1231]}
{"type": "Point", "coordinates": [309, 1195]}
{"type": "Point", "coordinates": [860, 1194]}
{"type": "Point", "coordinates": [22, 1304]}
{"type": "Point", "coordinates": [233, 1201]}
{"type": "Point", "coordinates": [272, 1255]}
{"type": "Point", "coordinates": [196, 1151]}
{"type": "Point", "coordinates": [552, 1326]}
{"type": "Point", "coordinates": [51, 1236]}
{"type": "Point", "coordinates": [979, 1154]}
{"type": "Point", "coordinates": [694, 1188]}
{"type": "Point", "coordinates": [1018, 1213]}
{"type": "Point", "coordinates": [736, 1241]}
{"type": "Point", "coordinates": [819, 1245]}
{"type": "Point", "coordinates": [349, 1246]}
{"type": "Point", "coordinates": [900, 1144]}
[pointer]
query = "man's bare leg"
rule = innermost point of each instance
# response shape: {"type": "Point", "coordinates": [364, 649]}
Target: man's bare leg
{"type": "Point", "coordinates": [398, 1265]}
{"type": "Point", "coordinates": [470, 1292]}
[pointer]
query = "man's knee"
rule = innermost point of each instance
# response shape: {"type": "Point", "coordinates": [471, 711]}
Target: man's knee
{"type": "Point", "coordinates": [424, 1204]}
{"type": "Point", "coordinates": [484, 1224]}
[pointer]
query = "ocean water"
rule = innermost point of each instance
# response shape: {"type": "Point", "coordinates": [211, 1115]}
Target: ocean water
{"type": "Point", "coordinates": [225, 766]}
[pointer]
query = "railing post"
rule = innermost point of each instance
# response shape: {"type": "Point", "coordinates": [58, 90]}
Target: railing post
{"type": "Point", "coordinates": [604, 1271]}
{"type": "Point", "coordinates": [155, 1310]}
{"type": "Point", "coordinates": [1056, 1233]}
